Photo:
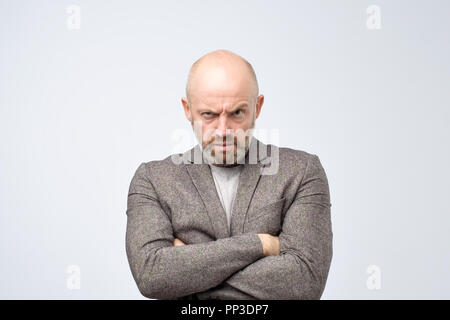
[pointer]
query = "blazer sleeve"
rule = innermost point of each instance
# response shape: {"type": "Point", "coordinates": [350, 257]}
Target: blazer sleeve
{"type": "Point", "coordinates": [301, 269]}
{"type": "Point", "coordinates": [164, 271]}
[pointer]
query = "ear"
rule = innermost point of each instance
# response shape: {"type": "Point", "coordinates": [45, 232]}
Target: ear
{"type": "Point", "coordinates": [259, 104]}
{"type": "Point", "coordinates": [187, 109]}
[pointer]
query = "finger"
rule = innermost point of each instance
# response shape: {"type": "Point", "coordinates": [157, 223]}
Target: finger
{"type": "Point", "coordinates": [178, 242]}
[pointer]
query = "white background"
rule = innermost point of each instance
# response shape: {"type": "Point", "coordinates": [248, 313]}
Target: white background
{"type": "Point", "coordinates": [81, 109]}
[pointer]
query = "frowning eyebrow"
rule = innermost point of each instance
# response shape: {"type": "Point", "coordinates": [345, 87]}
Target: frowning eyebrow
{"type": "Point", "coordinates": [209, 109]}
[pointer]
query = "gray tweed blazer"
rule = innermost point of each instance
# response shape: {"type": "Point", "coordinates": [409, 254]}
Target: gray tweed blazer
{"type": "Point", "coordinates": [176, 198]}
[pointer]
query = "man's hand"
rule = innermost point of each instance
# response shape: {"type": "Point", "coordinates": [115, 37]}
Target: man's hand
{"type": "Point", "coordinates": [178, 242]}
{"type": "Point", "coordinates": [271, 244]}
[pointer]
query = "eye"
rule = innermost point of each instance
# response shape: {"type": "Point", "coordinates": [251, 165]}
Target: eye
{"type": "Point", "coordinates": [236, 112]}
{"type": "Point", "coordinates": [206, 114]}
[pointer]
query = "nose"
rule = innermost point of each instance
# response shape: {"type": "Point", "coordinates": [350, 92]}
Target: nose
{"type": "Point", "coordinates": [223, 131]}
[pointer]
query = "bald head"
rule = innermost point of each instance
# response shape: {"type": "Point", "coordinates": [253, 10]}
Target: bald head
{"type": "Point", "coordinates": [221, 68]}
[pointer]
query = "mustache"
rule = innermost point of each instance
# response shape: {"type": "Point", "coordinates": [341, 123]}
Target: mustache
{"type": "Point", "coordinates": [222, 141]}
{"type": "Point", "coordinates": [236, 141]}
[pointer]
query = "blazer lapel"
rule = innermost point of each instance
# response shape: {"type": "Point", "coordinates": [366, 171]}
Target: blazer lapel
{"type": "Point", "coordinates": [203, 180]}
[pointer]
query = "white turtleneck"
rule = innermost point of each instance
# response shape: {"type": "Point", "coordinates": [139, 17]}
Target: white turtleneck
{"type": "Point", "coordinates": [226, 180]}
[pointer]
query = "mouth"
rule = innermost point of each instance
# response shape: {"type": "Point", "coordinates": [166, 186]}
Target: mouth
{"type": "Point", "coordinates": [223, 146]}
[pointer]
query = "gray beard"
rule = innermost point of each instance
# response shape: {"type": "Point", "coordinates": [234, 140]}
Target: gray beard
{"type": "Point", "coordinates": [233, 157]}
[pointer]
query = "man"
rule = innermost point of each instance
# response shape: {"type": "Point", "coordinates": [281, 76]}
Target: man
{"type": "Point", "coordinates": [231, 218]}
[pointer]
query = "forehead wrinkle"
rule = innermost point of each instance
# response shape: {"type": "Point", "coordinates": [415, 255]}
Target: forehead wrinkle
{"type": "Point", "coordinates": [229, 107]}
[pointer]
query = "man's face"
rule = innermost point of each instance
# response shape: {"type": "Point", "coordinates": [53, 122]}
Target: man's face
{"type": "Point", "coordinates": [224, 125]}
{"type": "Point", "coordinates": [222, 110]}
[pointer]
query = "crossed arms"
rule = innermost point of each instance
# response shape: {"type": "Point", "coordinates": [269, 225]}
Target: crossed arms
{"type": "Point", "coordinates": [235, 267]}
